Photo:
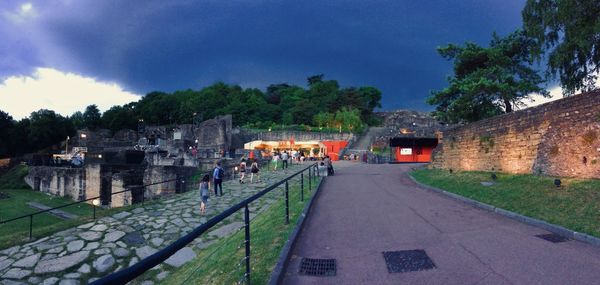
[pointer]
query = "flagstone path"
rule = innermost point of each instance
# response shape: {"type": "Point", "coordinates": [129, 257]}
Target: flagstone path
{"type": "Point", "coordinates": [85, 253]}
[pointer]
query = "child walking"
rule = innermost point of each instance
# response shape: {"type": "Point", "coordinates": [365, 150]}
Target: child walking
{"type": "Point", "coordinates": [204, 192]}
{"type": "Point", "coordinates": [242, 170]}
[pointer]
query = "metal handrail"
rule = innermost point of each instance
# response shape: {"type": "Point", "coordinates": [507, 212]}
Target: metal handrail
{"type": "Point", "coordinates": [89, 199]}
{"type": "Point", "coordinates": [30, 216]}
{"type": "Point", "coordinates": [125, 275]}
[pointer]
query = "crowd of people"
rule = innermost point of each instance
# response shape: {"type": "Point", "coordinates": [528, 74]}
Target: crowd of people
{"type": "Point", "coordinates": [218, 174]}
{"type": "Point", "coordinates": [325, 168]}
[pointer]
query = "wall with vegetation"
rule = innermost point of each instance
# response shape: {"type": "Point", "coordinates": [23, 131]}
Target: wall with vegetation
{"type": "Point", "coordinates": [560, 138]}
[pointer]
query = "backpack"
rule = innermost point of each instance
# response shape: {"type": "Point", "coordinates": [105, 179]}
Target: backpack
{"type": "Point", "coordinates": [220, 173]}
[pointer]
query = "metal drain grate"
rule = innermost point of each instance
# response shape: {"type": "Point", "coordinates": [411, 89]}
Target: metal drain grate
{"type": "Point", "coordinates": [317, 267]}
{"type": "Point", "coordinates": [553, 238]}
{"type": "Point", "coordinates": [407, 260]}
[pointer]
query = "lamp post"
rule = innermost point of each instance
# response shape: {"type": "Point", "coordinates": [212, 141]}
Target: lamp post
{"type": "Point", "coordinates": [141, 127]}
{"type": "Point", "coordinates": [67, 145]}
{"type": "Point", "coordinates": [83, 137]}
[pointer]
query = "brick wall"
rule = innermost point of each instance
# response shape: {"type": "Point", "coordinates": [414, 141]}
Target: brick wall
{"type": "Point", "coordinates": [560, 138]}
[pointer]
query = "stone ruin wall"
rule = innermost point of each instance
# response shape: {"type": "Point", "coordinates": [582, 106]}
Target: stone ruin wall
{"type": "Point", "coordinates": [59, 181]}
{"type": "Point", "coordinates": [560, 138]}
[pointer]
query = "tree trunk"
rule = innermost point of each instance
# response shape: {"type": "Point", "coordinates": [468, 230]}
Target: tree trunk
{"type": "Point", "coordinates": [507, 106]}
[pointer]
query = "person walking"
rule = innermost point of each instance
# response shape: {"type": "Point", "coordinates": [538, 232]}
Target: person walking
{"type": "Point", "coordinates": [242, 170]}
{"type": "Point", "coordinates": [275, 160]}
{"type": "Point", "coordinates": [218, 175]}
{"type": "Point", "coordinates": [254, 171]}
{"type": "Point", "coordinates": [204, 193]}
{"type": "Point", "coordinates": [329, 165]}
{"type": "Point", "coordinates": [284, 158]}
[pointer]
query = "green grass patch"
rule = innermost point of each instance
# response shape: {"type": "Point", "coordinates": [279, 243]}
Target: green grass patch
{"type": "Point", "coordinates": [19, 193]}
{"type": "Point", "coordinates": [17, 232]}
{"type": "Point", "coordinates": [574, 205]}
{"type": "Point", "coordinates": [222, 262]}
{"type": "Point", "coordinates": [14, 178]}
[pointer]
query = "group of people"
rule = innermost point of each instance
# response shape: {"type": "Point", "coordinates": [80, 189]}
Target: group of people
{"type": "Point", "coordinates": [287, 158]}
{"type": "Point", "coordinates": [218, 174]}
{"type": "Point", "coordinates": [326, 167]}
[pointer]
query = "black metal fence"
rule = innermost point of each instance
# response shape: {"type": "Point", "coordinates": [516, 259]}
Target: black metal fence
{"type": "Point", "coordinates": [182, 184]}
{"type": "Point", "coordinates": [130, 273]}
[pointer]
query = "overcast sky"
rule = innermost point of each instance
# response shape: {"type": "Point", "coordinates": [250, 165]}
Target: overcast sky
{"type": "Point", "coordinates": [67, 54]}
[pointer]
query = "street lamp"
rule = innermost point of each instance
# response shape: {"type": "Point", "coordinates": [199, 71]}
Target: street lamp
{"type": "Point", "coordinates": [67, 145]}
{"type": "Point", "coordinates": [82, 141]}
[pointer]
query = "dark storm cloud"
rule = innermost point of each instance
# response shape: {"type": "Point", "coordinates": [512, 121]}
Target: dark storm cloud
{"type": "Point", "coordinates": [169, 45]}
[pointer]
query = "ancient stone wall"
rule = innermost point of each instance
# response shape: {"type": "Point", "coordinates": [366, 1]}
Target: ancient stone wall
{"type": "Point", "coordinates": [155, 174]}
{"type": "Point", "coordinates": [93, 173]}
{"type": "Point", "coordinates": [118, 185]}
{"type": "Point", "coordinates": [60, 181]}
{"type": "Point", "coordinates": [560, 138]}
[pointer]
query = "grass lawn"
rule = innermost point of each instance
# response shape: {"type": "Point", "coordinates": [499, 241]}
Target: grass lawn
{"type": "Point", "coordinates": [19, 193]}
{"type": "Point", "coordinates": [222, 262]}
{"type": "Point", "coordinates": [574, 205]}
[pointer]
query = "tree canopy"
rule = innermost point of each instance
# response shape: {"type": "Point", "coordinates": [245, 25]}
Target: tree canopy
{"type": "Point", "coordinates": [568, 33]}
{"type": "Point", "coordinates": [487, 81]}
{"type": "Point", "coordinates": [282, 104]}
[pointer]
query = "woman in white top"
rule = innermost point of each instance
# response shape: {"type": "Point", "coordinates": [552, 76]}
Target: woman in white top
{"type": "Point", "coordinates": [275, 160]}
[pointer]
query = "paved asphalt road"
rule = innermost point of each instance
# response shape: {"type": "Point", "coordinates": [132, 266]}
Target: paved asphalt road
{"type": "Point", "coordinates": [365, 210]}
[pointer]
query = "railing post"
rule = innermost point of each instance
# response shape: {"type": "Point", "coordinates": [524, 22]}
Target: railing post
{"type": "Point", "coordinates": [301, 186]}
{"type": "Point", "coordinates": [287, 204]}
{"type": "Point", "coordinates": [309, 179]}
{"type": "Point", "coordinates": [247, 237]}
{"type": "Point", "coordinates": [30, 227]}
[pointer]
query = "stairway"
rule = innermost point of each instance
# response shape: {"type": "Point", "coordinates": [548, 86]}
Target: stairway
{"type": "Point", "coordinates": [365, 141]}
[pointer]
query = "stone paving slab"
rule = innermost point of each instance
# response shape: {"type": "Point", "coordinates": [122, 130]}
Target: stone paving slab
{"type": "Point", "coordinates": [87, 252]}
{"type": "Point", "coordinates": [57, 212]}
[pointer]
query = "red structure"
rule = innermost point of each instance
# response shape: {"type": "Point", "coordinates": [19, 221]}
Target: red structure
{"type": "Point", "coordinates": [413, 149]}
{"type": "Point", "coordinates": [333, 148]}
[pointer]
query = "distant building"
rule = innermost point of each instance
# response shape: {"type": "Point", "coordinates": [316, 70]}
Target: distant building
{"type": "Point", "coordinates": [410, 136]}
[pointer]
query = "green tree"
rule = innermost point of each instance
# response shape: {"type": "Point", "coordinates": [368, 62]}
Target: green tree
{"type": "Point", "coordinates": [120, 117]}
{"type": "Point", "coordinates": [159, 108]}
{"type": "Point", "coordinates": [47, 128]}
{"type": "Point", "coordinates": [349, 119]}
{"type": "Point", "coordinates": [315, 79]}
{"type": "Point", "coordinates": [92, 118]}
{"type": "Point", "coordinates": [7, 125]}
{"type": "Point", "coordinates": [487, 81]}
{"type": "Point", "coordinates": [569, 32]}
{"type": "Point", "coordinates": [275, 92]}
{"type": "Point", "coordinates": [77, 120]}
{"type": "Point", "coordinates": [19, 137]}
{"type": "Point", "coordinates": [324, 119]}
